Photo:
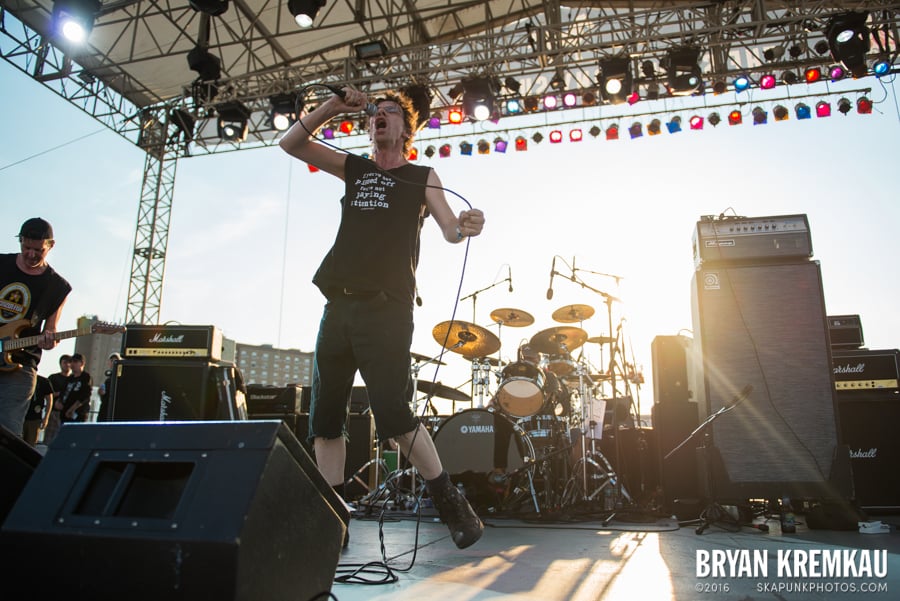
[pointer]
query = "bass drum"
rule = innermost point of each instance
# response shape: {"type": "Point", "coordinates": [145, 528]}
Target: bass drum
{"type": "Point", "coordinates": [486, 453]}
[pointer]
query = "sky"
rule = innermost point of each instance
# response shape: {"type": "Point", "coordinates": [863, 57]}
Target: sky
{"type": "Point", "coordinates": [248, 229]}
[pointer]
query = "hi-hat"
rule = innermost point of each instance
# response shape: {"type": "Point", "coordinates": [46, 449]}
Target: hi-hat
{"type": "Point", "coordinates": [440, 390]}
{"type": "Point", "coordinates": [601, 339]}
{"type": "Point", "coordinates": [514, 318]}
{"type": "Point", "coordinates": [466, 339]}
{"type": "Point", "coordinates": [558, 340]}
{"type": "Point", "coordinates": [418, 358]}
{"type": "Point", "coordinates": [573, 313]}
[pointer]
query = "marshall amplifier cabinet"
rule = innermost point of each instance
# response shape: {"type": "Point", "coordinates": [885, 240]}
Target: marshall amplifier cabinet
{"type": "Point", "coordinates": [845, 331]}
{"type": "Point", "coordinates": [162, 342]}
{"type": "Point", "coordinates": [751, 239]}
{"type": "Point", "coordinates": [863, 369]}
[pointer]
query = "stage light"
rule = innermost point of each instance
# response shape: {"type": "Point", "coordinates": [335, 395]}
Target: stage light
{"type": "Point", "coordinates": [232, 121]}
{"type": "Point", "coordinates": [612, 132]}
{"type": "Point", "coordinates": [570, 99]}
{"type": "Point", "coordinates": [674, 125]}
{"type": "Point", "coordinates": [812, 75]}
{"type": "Point", "coordinates": [74, 19]}
{"type": "Point", "coordinates": [558, 82]}
{"type": "Point", "coordinates": [633, 98]}
{"type": "Point", "coordinates": [836, 73]}
{"type": "Point", "coordinates": [774, 53]}
{"type": "Point", "coordinates": [214, 8]}
{"type": "Point", "coordinates": [479, 98]}
{"type": "Point", "coordinates": [208, 66]}
{"type": "Point", "coordinates": [465, 148]}
{"type": "Point", "coordinates": [683, 71]}
{"type": "Point", "coordinates": [654, 127]}
{"type": "Point", "coordinates": [595, 131]}
{"type": "Point", "coordinates": [328, 133]}
{"type": "Point", "coordinates": [512, 84]}
{"type": "Point", "coordinates": [346, 127]}
{"type": "Point", "coordinates": [848, 40]}
{"type": "Point", "coordinates": [780, 113]}
{"type": "Point", "coordinates": [555, 136]}
{"type": "Point", "coordinates": [413, 154]}
{"type": "Point", "coordinates": [719, 87]}
{"type": "Point", "coordinates": [696, 122]}
{"type": "Point", "coordinates": [802, 111]}
{"type": "Point", "coordinates": [741, 83]}
{"type": "Point", "coordinates": [531, 104]}
{"type": "Point", "coordinates": [823, 109]}
{"type": "Point", "coordinates": [456, 91]}
{"type": "Point", "coordinates": [184, 121]}
{"type": "Point", "coordinates": [420, 96]}
{"type": "Point", "coordinates": [635, 130]}
{"type": "Point", "coordinates": [767, 81]}
{"type": "Point", "coordinates": [789, 77]}
{"type": "Point", "coordinates": [760, 116]}
{"type": "Point", "coordinates": [312, 168]}
{"type": "Point", "coordinates": [305, 11]}
{"type": "Point", "coordinates": [521, 144]}
{"type": "Point", "coordinates": [588, 98]}
{"type": "Point", "coordinates": [714, 119]}
{"type": "Point", "coordinates": [513, 106]}
{"type": "Point", "coordinates": [500, 145]}
{"type": "Point", "coordinates": [435, 121]}
{"type": "Point", "coordinates": [615, 79]}
{"type": "Point", "coordinates": [550, 102]}
{"type": "Point", "coordinates": [881, 67]}
{"type": "Point", "coordinates": [484, 147]}
{"type": "Point", "coordinates": [455, 115]}
{"type": "Point", "coordinates": [795, 51]}
{"type": "Point", "coordinates": [430, 150]}
{"type": "Point", "coordinates": [864, 106]}
{"type": "Point", "coordinates": [444, 151]}
{"type": "Point", "coordinates": [844, 106]}
{"type": "Point", "coordinates": [821, 47]}
{"type": "Point", "coordinates": [537, 137]}
{"type": "Point", "coordinates": [735, 117]}
{"type": "Point", "coordinates": [283, 113]}
{"type": "Point", "coordinates": [575, 135]}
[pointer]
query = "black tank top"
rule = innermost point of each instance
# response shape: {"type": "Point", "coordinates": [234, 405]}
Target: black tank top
{"type": "Point", "coordinates": [377, 243]}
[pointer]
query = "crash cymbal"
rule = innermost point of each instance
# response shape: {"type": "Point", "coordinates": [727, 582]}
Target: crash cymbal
{"type": "Point", "coordinates": [420, 358]}
{"type": "Point", "coordinates": [440, 390]}
{"type": "Point", "coordinates": [558, 340]}
{"type": "Point", "coordinates": [514, 318]}
{"type": "Point", "coordinates": [466, 339]}
{"type": "Point", "coordinates": [573, 313]}
{"type": "Point", "coordinates": [601, 339]}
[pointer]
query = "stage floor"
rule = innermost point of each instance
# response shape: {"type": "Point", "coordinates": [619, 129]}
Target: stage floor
{"type": "Point", "coordinates": [626, 559]}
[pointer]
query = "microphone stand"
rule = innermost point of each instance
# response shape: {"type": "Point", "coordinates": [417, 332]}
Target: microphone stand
{"type": "Point", "coordinates": [474, 295]}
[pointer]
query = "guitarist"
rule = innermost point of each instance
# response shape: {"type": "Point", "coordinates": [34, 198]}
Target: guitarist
{"type": "Point", "coordinates": [29, 289]}
{"type": "Point", "coordinates": [76, 398]}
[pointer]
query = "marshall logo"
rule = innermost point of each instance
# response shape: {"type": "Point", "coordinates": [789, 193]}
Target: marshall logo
{"type": "Point", "coordinates": [850, 369]}
{"type": "Point", "coordinates": [860, 454]}
{"type": "Point", "coordinates": [170, 339]}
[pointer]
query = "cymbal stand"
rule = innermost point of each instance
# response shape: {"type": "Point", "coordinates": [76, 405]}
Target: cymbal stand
{"type": "Point", "coordinates": [481, 380]}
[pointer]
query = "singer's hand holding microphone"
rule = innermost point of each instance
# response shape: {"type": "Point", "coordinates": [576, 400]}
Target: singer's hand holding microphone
{"type": "Point", "coordinates": [354, 99]}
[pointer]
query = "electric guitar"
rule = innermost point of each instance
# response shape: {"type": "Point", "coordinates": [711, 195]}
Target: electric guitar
{"type": "Point", "coordinates": [10, 340]}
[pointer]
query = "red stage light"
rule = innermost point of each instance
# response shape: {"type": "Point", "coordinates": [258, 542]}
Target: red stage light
{"type": "Point", "coordinates": [521, 143]}
{"type": "Point", "coordinates": [767, 81]}
{"type": "Point", "coordinates": [346, 127]}
{"type": "Point", "coordinates": [696, 122]}
{"type": "Point", "coordinates": [735, 117]}
{"type": "Point", "coordinates": [555, 136]}
{"type": "Point", "coordinates": [823, 109]}
{"type": "Point", "coordinates": [812, 75]}
{"type": "Point", "coordinates": [455, 116]}
{"type": "Point", "coordinates": [864, 106]}
{"type": "Point", "coordinates": [444, 151]}
{"type": "Point", "coordinates": [612, 132]}
{"type": "Point", "coordinates": [413, 154]}
{"type": "Point", "coordinates": [575, 135]}
{"type": "Point", "coordinates": [633, 98]}
{"type": "Point", "coordinates": [312, 168]}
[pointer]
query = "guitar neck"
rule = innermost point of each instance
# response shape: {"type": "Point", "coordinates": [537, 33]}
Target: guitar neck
{"type": "Point", "coordinates": [19, 343]}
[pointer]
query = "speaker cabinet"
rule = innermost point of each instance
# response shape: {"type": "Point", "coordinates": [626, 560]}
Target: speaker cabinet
{"type": "Point", "coordinates": [673, 423]}
{"type": "Point", "coordinates": [18, 460]}
{"type": "Point", "coordinates": [175, 390]}
{"type": "Point", "coordinates": [868, 423]}
{"type": "Point", "coordinates": [360, 448]}
{"type": "Point", "coordinates": [669, 355]}
{"type": "Point", "coordinates": [764, 326]}
{"type": "Point", "coordinates": [202, 510]}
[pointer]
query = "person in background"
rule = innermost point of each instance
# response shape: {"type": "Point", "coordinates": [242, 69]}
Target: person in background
{"type": "Point", "coordinates": [58, 382]}
{"type": "Point", "coordinates": [39, 410]}
{"type": "Point", "coordinates": [76, 399]}
{"type": "Point", "coordinates": [103, 414]}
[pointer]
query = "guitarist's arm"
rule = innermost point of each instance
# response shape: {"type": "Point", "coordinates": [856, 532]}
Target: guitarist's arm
{"type": "Point", "coordinates": [49, 342]}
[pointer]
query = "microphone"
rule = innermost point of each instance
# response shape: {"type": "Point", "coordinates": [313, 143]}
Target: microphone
{"type": "Point", "coordinates": [418, 298]}
{"type": "Point", "coordinates": [509, 272]}
{"type": "Point", "coordinates": [370, 109]}
{"type": "Point", "coordinates": [550, 287]}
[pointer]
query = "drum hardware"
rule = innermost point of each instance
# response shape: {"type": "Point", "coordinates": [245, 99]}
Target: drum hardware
{"type": "Point", "coordinates": [425, 360]}
{"type": "Point", "coordinates": [437, 389]}
{"type": "Point", "coordinates": [573, 313]}
{"type": "Point", "coordinates": [601, 340]}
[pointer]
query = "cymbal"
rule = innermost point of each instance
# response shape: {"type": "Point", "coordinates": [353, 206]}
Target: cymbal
{"type": "Point", "coordinates": [558, 340]}
{"type": "Point", "coordinates": [573, 313]}
{"type": "Point", "coordinates": [440, 390]}
{"type": "Point", "coordinates": [514, 318]}
{"type": "Point", "coordinates": [417, 358]}
{"type": "Point", "coordinates": [466, 339]}
{"type": "Point", "coordinates": [601, 339]}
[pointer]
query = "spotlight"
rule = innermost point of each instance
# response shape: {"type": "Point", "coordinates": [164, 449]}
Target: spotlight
{"type": "Point", "coordinates": [735, 117]}
{"type": "Point", "coordinates": [513, 106]}
{"type": "Point", "coordinates": [500, 145]}
{"type": "Point", "coordinates": [283, 113]}
{"type": "Point", "coordinates": [741, 83]}
{"type": "Point", "coordinates": [719, 87]}
{"type": "Point", "coordinates": [74, 19]}
{"type": "Point", "coordinates": [774, 53]}
{"type": "Point", "coordinates": [595, 131]}
{"type": "Point", "coordinates": [465, 148]}
{"type": "Point", "coordinates": [413, 154]}
{"type": "Point", "coordinates": [456, 91]}
{"type": "Point", "coordinates": [512, 84]}
{"type": "Point", "coordinates": [696, 122]}
{"type": "Point", "coordinates": [795, 51]}
{"type": "Point", "coordinates": [479, 98]}
{"type": "Point", "coordinates": [444, 151]}
{"type": "Point", "coordinates": [570, 99]}
{"type": "Point", "coordinates": [484, 147]}
{"type": "Point", "coordinates": [654, 127]}
{"type": "Point", "coordinates": [844, 106]}
{"type": "Point", "coordinates": [558, 82]}
{"type": "Point", "coordinates": [612, 132]}
{"type": "Point", "coordinates": [823, 109]}
{"type": "Point", "coordinates": [531, 104]}
{"type": "Point", "coordinates": [305, 11]}
{"type": "Point", "coordinates": [435, 121]}
{"type": "Point", "coordinates": [588, 98]}
{"type": "Point", "coordinates": [812, 75]}
{"type": "Point", "coordinates": [208, 66]}
{"type": "Point", "coordinates": [848, 40]}
{"type": "Point", "coordinates": [369, 51]}
{"type": "Point", "coordinates": [328, 133]}
{"type": "Point", "coordinates": [430, 150]}
{"type": "Point", "coordinates": [881, 67]}
{"type": "Point", "coordinates": [767, 81]}
{"type": "Point", "coordinates": [802, 111]}
{"type": "Point", "coordinates": [780, 113]}
{"type": "Point", "coordinates": [555, 136]}
{"type": "Point", "coordinates": [213, 8]}
{"type": "Point", "coordinates": [455, 115]}
{"type": "Point", "coordinates": [346, 127]}
{"type": "Point", "coordinates": [615, 79]}
{"type": "Point", "coordinates": [635, 130]}
{"type": "Point", "coordinates": [789, 77]}
{"type": "Point", "coordinates": [184, 121]}
{"type": "Point", "coordinates": [232, 121]}
{"type": "Point", "coordinates": [683, 72]}
{"type": "Point", "coordinates": [760, 116]}
{"type": "Point", "coordinates": [864, 106]}
{"type": "Point", "coordinates": [634, 98]}
{"type": "Point", "coordinates": [836, 73]}
{"type": "Point", "coordinates": [421, 100]}
{"type": "Point", "coordinates": [550, 102]}
{"type": "Point", "coordinates": [674, 126]}
{"type": "Point", "coordinates": [537, 138]}
{"type": "Point", "coordinates": [521, 144]}
{"type": "Point", "coordinates": [821, 47]}
{"type": "Point", "coordinates": [714, 119]}
{"type": "Point", "coordinates": [576, 135]}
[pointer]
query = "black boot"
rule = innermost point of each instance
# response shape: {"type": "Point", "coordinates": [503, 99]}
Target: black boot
{"type": "Point", "coordinates": [464, 524]}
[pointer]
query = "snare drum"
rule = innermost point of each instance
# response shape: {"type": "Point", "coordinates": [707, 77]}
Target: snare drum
{"type": "Point", "coordinates": [521, 392]}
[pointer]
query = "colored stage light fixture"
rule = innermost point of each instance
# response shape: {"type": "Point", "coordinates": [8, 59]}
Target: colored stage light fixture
{"type": "Point", "coordinates": [696, 122]}
{"type": "Point", "coordinates": [369, 51]}
{"type": "Point", "coordinates": [741, 83]}
{"type": "Point", "coordinates": [550, 102]}
{"type": "Point", "coordinates": [521, 143]}
{"type": "Point", "coordinates": [434, 122]}
{"type": "Point", "coordinates": [531, 104]}
{"type": "Point", "coordinates": [444, 151]}
{"type": "Point", "coordinates": [789, 77]}
{"type": "Point", "coordinates": [328, 133]}
{"type": "Point", "coordinates": [555, 136]}
{"type": "Point", "coordinates": [633, 98]}
{"type": "Point", "coordinates": [848, 39]}
{"type": "Point", "coordinates": [767, 81]}
{"type": "Point", "coordinates": [465, 148]}
{"type": "Point", "coordinates": [760, 116]}
{"type": "Point", "coordinates": [479, 98]}
{"type": "Point", "coordinates": [735, 117]}
{"type": "Point", "coordinates": [430, 150]}
{"type": "Point", "coordinates": [570, 99]}
{"type": "Point", "coordinates": [654, 127]}
{"type": "Point", "coordinates": [719, 87]}
{"type": "Point", "coordinates": [513, 106]}
{"type": "Point", "coordinates": [576, 135]}
{"type": "Point", "coordinates": [635, 131]}
{"type": "Point", "coordinates": [881, 67]}
{"type": "Point", "coordinates": [863, 106]}
{"type": "Point", "coordinates": [305, 11]}
{"type": "Point", "coordinates": [312, 168]}
{"type": "Point", "coordinates": [413, 154]}
{"type": "Point", "coordinates": [483, 147]}
{"type": "Point", "coordinates": [232, 121]}
{"type": "Point", "coordinates": [714, 119]}
{"type": "Point", "coordinates": [73, 20]}
{"type": "Point", "coordinates": [836, 73]}
{"type": "Point", "coordinates": [823, 109]}
{"type": "Point", "coordinates": [283, 113]}
{"type": "Point", "coordinates": [537, 137]}
{"type": "Point", "coordinates": [802, 111]}
{"type": "Point", "coordinates": [780, 113]}
{"type": "Point", "coordinates": [612, 132]}
{"type": "Point", "coordinates": [683, 71]}
{"type": "Point", "coordinates": [812, 75]}
{"type": "Point", "coordinates": [500, 145]}
{"type": "Point", "coordinates": [615, 79]}
{"type": "Point", "coordinates": [595, 131]}
{"type": "Point", "coordinates": [674, 125]}
{"type": "Point", "coordinates": [588, 98]}
{"type": "Point", "coordinates": [346, 127]}
{"type": "Point", "coordinates": [455, 115]}
{"type": "Point", "coordinates": [844, 106]}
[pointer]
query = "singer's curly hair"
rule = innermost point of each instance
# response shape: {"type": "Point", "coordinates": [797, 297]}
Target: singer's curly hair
{"type": "Point", "coordinates": [410, 115]}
